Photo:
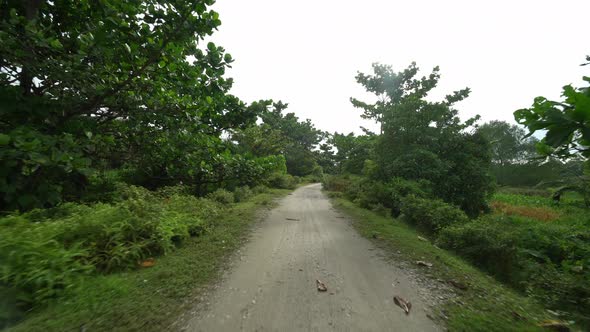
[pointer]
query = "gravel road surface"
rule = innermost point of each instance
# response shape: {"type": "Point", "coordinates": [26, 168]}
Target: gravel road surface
{"type": "Point", "coordinates": [271, 286]}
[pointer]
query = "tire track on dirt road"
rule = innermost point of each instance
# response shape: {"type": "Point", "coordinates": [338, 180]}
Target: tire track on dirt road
{"type": "Point", "coordinates": [272, 287]}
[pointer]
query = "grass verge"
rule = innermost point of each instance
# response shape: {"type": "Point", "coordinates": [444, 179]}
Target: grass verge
{"type": "Point", "coordinates": [151, 299]}
{"type": "Point", "coordinates": [485, 305]}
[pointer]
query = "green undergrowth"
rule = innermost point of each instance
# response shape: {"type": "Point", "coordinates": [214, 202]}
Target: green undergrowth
{"type": "Point", "coordinates": [151, 298]}
{"type": "Point", "coordinates": [486, 305]}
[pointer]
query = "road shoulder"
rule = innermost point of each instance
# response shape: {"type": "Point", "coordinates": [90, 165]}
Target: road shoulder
{"type": "Point", "coordinates": [469, 300]}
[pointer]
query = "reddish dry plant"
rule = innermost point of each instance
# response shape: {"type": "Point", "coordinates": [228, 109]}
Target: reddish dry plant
{"type": "Point", "coordinates": [537, 213]}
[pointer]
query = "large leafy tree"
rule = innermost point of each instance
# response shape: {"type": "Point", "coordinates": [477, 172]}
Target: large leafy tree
{"type": "Point", "coordinates": [90, 84]}
{"type": "Point", "coordinates": [424, 139]}
{"type": "Point", "coordinates": [352, 151]}
{"type": "Point", "coordinates": [283, 133]}
{"type": "Point", "coordinates": [510, 144]}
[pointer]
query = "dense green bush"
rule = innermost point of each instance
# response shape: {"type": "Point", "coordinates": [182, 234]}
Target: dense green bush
{"type": "Point", "coordinates": [489, 243]}
{"type": "Point", "coordinates": [317, 175]}
{"type": "Point", "coordinates": [169, 191]}
{"type": "Point", "coordinates": [242, 193]}
{"type": "Point", "coordinates": [547, 260]}
{"type": "Point", "coordinates": [430, 215]}
{"type": "Point", "coordinates": [367, 193]}
{"type": "Point", "coordinates": [259, 189]}
{"type": "Point", "coordinates": [370, 194]}
{"type": "Point", "coordinates": [35, 265]}
{"type": "Point", "coordinates": [222, 196]}
{"type": "Point", "coordinates": [281, 181]}
{"type": "Point", "coordinates": [45, 252]}
{"type": "Point", "coordinates": [400, 188]}
{"type": "Point", "coordinates": [336, 183]}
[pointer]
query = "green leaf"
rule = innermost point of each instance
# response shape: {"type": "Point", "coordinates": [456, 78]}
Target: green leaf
{"type": "Point", "coordinates": [543, 149]}
{"type": "Point", "coordinates": [558, 135]}
{"type": "Point", "coordinates": [4, 139]}
{"type": "Point", "coordinates": [56, 44]}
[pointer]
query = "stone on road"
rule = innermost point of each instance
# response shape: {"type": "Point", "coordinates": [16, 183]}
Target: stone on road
{"type": "Point", "coordinates": [272, 286]}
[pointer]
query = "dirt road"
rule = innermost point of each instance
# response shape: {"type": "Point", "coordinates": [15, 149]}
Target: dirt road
{"type": "Point", "coordinates": [272, 285]}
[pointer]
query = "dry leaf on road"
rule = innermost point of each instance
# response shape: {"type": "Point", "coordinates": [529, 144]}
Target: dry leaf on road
{"type": "Point", "coordinates": [321, 286]}
{"type": "Point", "coordinates": [403, 304]}
{"type": "Point", "coordinates": [423, 263]}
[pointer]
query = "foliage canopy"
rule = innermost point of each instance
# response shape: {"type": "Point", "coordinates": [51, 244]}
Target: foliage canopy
{"type": "Point", "coordinates": [426, 140]}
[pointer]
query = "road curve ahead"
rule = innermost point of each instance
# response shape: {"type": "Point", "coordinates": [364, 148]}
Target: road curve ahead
{"type": "Point", "coordinates": [272, 286]}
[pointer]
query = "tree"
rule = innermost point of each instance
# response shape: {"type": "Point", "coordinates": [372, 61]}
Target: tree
{"type": "Point", "coordinates": [298, 139]}
{"type": "Point", "coordinates": [325, 156]}
{"type": "Point", "coordinates": [509, 142]}
{"type": "Point", "coordinates": [353, 151]}
{"type": "Point", "coordinates": [91, 84]}
{"type": "Point", "coordinates": [426, 140]}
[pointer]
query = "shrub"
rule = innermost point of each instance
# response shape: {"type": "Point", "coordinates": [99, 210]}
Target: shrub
{"type": "Point", "coordinates": [101, 187]}
{"type": "Point", "coordinates": [281, 181]}
{"type": "Point", "coordinates": [400, 188]}
{"type": "Point", "coordinates": [45, 252]}
{"type": "Point", "coordinates": [370, 193]}
{"type": "Point", "coordinates": [489, 244]}
{"type": "Point", "coordinates": [260, 189]}
{"type": "Point", "coordinates": [430, 215]}
{"type": "Point", "coordinates": [317, 175]}
{"type": "Point", "coordinates": [380, 209]}
{"type": "Point", "coordinates": [169, 191]}
{"type": "Point", "coordinates": [222, 196]}
{"type": "Point", "coordinates": [115, 236]}
{"type": "Point", "coordinates": [336, 183]}
{"type": "Point", "coordinates": [335, 194]}
{"type": "Point", "coordinates": [201, 208]}
{"type": "Point", "coordinates": [547, 260]}
{"type": "Point", "coordinates": [34, 264]}
{"type": "Point", "coordinates": [242, 193]}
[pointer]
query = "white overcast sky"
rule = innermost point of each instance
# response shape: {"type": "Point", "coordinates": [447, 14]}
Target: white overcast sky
{"type": "Point", "coordinates": [307, 53]}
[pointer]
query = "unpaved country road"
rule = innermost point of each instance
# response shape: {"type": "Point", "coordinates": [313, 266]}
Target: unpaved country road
{"type": "Point", "coordinates": [272, 286]}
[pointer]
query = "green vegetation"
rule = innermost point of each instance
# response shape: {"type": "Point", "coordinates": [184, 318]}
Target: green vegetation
{"type": "Point", "coordinates": [420, 140]}
{"type": "Point", "coordinates": [430, 215]}
{"type": "Point", "coordinates": [434, 173]}
{"type": "Point", "coordinates": [536, 247]}
{"type": "Point", "coordinates": [152, 298]}
{"type": "Point", "coordinates": [121, 147]}
{"type": "Point", "coordinates": [484, 305]}
{"type": "Point", "coordinates": [120, 144]}
{"type": "Point", "coordinates": [567, 122]}
{"type": "Point", "coordinates": [527, 241]}
{"type": "Point", "coordinates": [94, 87]}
